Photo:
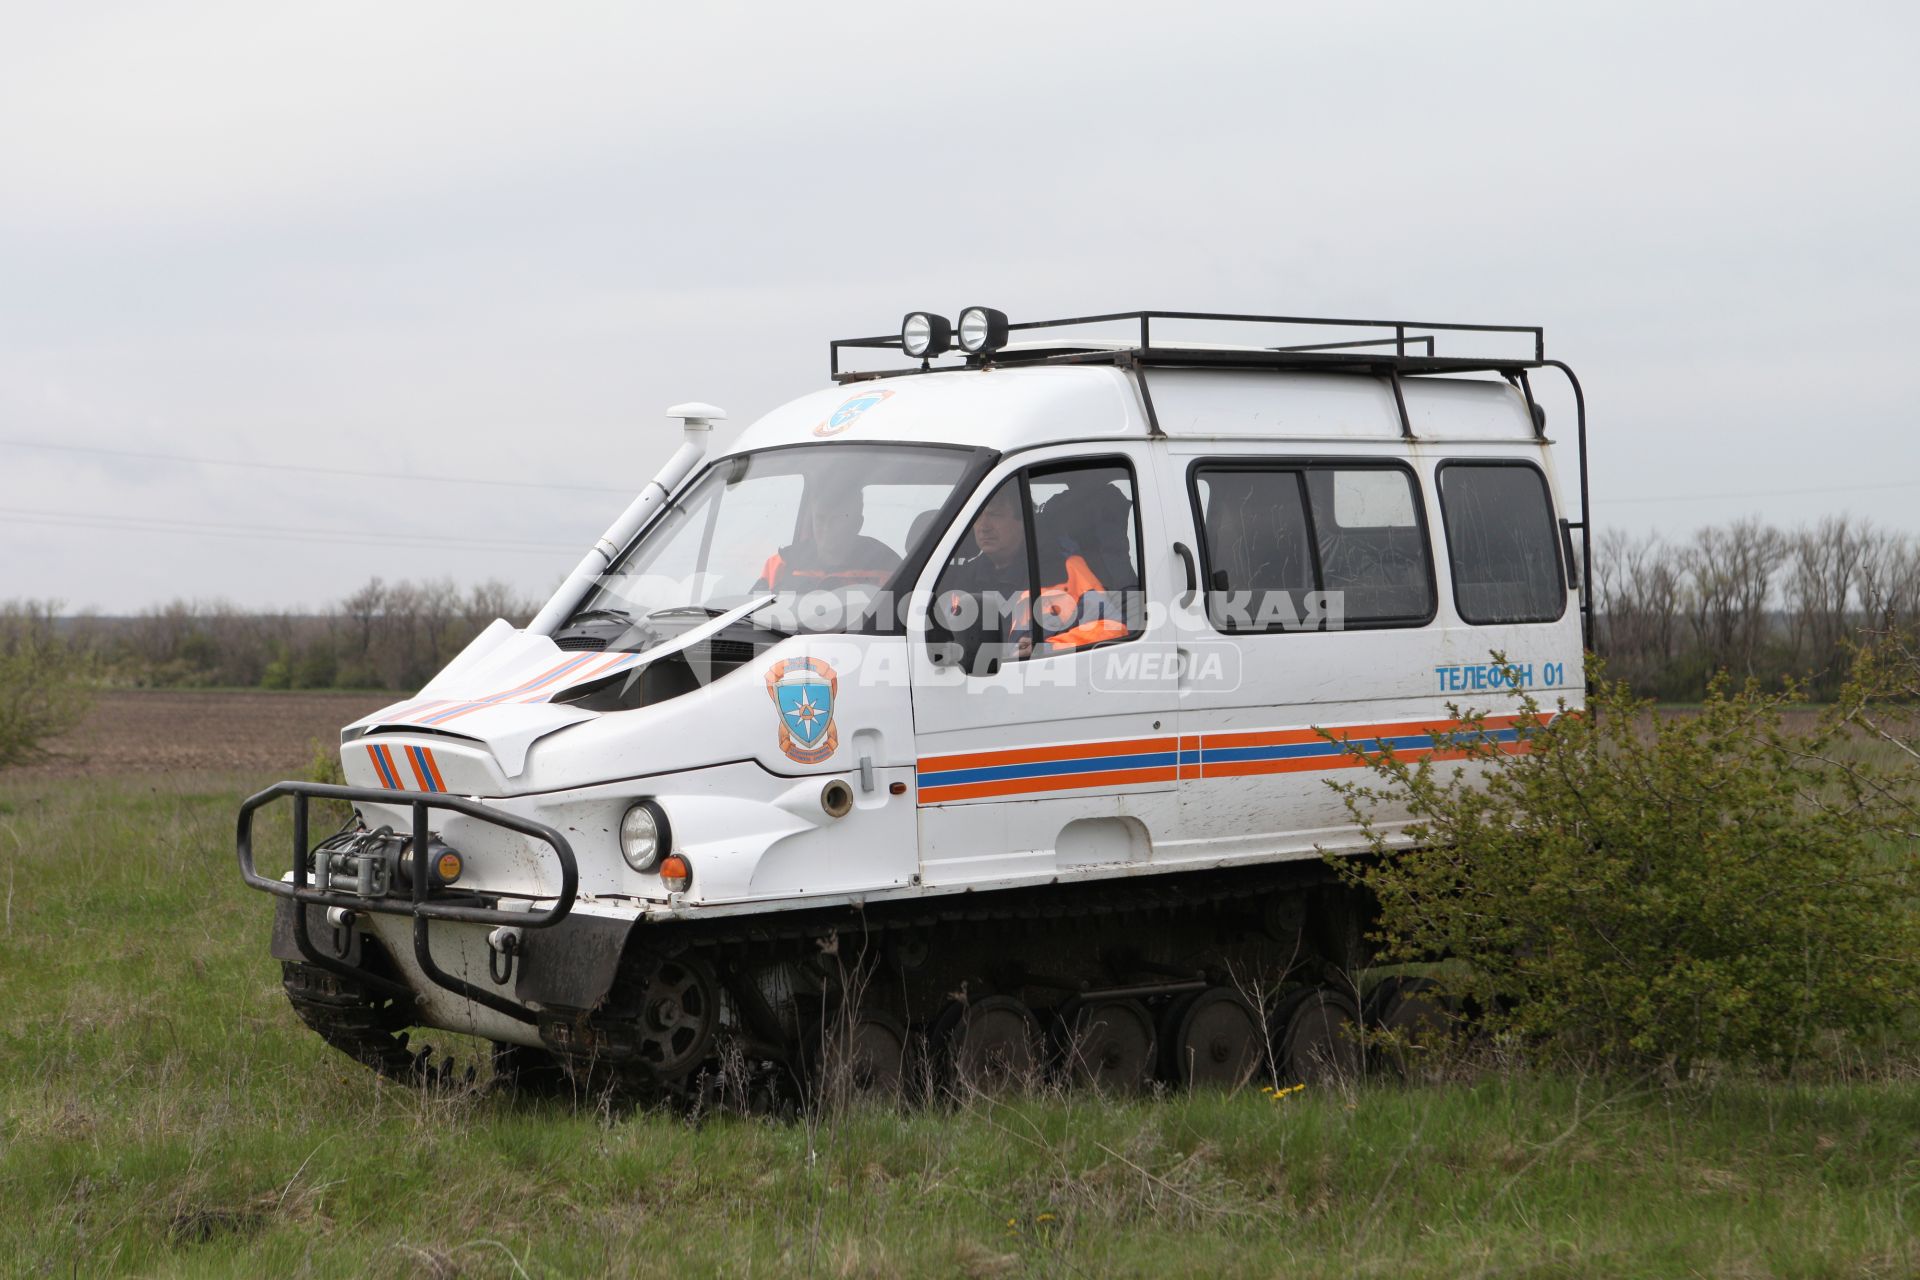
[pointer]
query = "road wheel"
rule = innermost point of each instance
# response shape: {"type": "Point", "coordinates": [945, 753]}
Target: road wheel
{"type": "Point", "coordinates": [1215, 1040]}
{"type": "Point", "coordinates": [992, 1045]}
{"type": "Point", "coordinates": [1109, 1045]}
{"type": "Point", "coordinates": [1318, 1037]}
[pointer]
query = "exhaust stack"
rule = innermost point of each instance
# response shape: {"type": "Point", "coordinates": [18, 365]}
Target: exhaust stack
{"type": "Point", "coordinates": [696, 420]}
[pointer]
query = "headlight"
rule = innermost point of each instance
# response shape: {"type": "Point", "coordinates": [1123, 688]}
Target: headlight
{"type": "Point", "coordinates": [924, 335]}
{"type": "Point", "coordinates": [983, 330]}
{"type": "Point", "coordinates": [645, 836]}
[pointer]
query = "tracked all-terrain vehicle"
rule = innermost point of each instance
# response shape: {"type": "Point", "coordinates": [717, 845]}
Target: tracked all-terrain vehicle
{"type": "Point", "coordinates": [977, 712]}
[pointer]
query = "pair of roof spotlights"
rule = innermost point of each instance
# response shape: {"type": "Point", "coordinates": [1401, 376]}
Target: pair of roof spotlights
{"type": "Point", "coordinates": [924, 335]}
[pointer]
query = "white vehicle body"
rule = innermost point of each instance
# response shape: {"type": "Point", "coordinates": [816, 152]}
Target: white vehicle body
{"type": "Point", "coordinates": [1182, 747]}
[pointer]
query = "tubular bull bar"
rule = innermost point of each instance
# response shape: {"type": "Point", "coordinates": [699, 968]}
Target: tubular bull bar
{"type": "Point", "coordinates": [422, 908]}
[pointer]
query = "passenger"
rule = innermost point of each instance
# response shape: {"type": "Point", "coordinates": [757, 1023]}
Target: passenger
{"type": "Point", "coordinates": [1076, 528]}
{"type": "Point", "coordinates": [832, 552]}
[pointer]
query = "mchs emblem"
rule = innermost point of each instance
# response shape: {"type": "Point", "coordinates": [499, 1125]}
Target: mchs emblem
{"type": "Point", "coordinates": [847, 414]}
{"type": "Point", "coordinates": [803, 689]}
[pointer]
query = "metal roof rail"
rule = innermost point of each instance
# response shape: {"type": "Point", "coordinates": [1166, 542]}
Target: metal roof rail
{"type": "Point", "coordinates": [1396, 349]}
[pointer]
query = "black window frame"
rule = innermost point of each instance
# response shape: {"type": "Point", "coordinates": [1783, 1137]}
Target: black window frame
{"type": "Point", "coordinates": [1023, 476]}
{"type": "Point", "coordinates": [1553, 530]}
{"type": "Point", "coordinates": [1272, 463]}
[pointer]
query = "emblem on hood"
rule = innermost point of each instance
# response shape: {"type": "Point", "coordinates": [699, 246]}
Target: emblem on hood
{"type": "Point", "coordinates": [802, 690]}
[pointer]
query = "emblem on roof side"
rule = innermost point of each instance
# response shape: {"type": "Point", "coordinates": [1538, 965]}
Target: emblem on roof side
{"type": "Point", "coordinates": [849, 412]}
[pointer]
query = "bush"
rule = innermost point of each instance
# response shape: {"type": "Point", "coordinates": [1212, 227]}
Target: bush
{"type": "Point", "coordinates": [1656, 890]}
{"type": "Point", "coordinates": [43, 689]}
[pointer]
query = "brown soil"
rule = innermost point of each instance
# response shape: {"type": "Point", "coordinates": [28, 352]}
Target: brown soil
{"type": "Point", "coordinates": [167, 731]}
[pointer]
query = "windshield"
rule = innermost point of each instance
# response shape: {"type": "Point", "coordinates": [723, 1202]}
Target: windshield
{"type": "Point", "coordinates": [825, 528]}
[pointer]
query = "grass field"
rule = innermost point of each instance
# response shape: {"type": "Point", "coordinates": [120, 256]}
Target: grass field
{"type": "Point", "coordinates": [163, 1113]}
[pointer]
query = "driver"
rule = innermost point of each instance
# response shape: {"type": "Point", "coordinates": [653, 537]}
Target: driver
{"type": "Point", "coordinates": [985, 594]}
{"type": "Point", "coordinates": [831, 552]}
{"type": "Point", "coordinates": [1073, 612]}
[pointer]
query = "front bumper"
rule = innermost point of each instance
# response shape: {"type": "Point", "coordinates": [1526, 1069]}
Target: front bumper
{"type": "Point", "coordinates": [300, 898]}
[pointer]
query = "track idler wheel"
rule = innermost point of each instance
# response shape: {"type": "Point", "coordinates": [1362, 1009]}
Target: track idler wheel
{"type": "Point", "coordinates": [992, 1045]}
{"type": "Point", "coordinates": [1109, 1045]}
{"type": "Point", "coordinates": [679, 1013]}
{"type": "Point", "coordinates": [1317, 1037]}
{"type": "Point", "coordinates": [1214, 1040]}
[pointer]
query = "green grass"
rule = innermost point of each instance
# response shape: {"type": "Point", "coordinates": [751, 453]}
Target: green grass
{"type": "Point", "coordinates": [163, 1113]}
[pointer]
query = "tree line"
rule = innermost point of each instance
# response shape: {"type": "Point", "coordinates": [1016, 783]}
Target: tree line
{"type": "Point", "coordinates": [1751, 599]}
{"type": "Point", "coordinates": [386, 635]}
{"type": "Point", "coordinates": [1748, 597]}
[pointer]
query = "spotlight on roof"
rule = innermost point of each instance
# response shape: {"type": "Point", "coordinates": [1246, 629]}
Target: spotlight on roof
{"type": "Point", "coordinates": [982, 330]}
{"type": "Point", "coordinates": [924, 335]}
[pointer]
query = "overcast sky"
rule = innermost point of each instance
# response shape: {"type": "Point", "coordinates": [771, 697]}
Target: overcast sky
{"type": "Point", "coordinates": [495, 241]}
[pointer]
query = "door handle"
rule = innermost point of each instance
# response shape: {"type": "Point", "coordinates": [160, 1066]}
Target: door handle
{"type": "Point", "coordinates": [1193, 573]}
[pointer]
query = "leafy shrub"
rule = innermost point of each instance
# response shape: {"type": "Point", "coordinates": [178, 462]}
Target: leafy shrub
{"type": "Point", "coordinates": [43, 688]}
{"type": "Point", "coordinates": [1656, 889]}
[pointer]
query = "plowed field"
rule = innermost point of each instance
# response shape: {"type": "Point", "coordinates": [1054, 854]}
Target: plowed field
{"type": "Point", "coordinates": [130, 732]}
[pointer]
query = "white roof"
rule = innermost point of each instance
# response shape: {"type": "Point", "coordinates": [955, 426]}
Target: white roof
{"type": "Point", "coordinates": [1015, 408]}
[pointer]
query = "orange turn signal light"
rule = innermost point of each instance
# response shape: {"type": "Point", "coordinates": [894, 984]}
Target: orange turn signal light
{"type": "Point", "coordinates": [449, 866]}
{"type": "Point", "coordinates": [676, 873]}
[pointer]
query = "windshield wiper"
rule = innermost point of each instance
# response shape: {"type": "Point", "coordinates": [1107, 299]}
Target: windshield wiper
{"type": "Point", "coordinates": [680, 609]}
{"type": "Point", "coordinates": [739, 613]}
{"type": "Point", "coordinates": [588, 614]}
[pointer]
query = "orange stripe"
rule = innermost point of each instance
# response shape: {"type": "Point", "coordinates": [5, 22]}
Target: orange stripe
{"type": "Point", "coordinates": [1299, 764]}
{"type": "Point", "coordinates": [1345, 760]}
{"type": "Point", "coordinates": [414, 765]}
{"type": "Point", "coordinates": [378, 775]}
{"type": "Point", "coordinates": [386, 758]}
{"type": "Point", "coordinates": [524, 687]}
{"type": "Point", "coordinates": [1348, 732]}
{"type": "Point", "coordinates": [1027, 786]}
{"type": "Point", "coordinates": [433, 768]}
{"type": "Point", "coordinates": [1033, 755]}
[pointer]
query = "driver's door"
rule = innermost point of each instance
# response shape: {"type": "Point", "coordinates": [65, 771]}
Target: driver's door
{"type": "Point", "coordinates": [1064, 755]}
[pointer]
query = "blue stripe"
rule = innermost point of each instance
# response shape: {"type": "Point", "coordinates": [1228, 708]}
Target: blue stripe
{"type": "Point", "coordinates": [380, 767]}
{"type": "Point", "coordinates": [1405, 742]}
{"type": "Point", "coordinates": [1290, 751]}
{"type": "Point", "coordinates": [929, 778]}
{"type": "Point", "coordinates": [1045, 769]}
{"type": "Point", "coordinates": [420, 758]}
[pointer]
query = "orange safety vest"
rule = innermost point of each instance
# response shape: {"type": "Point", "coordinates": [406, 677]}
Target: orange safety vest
{"type": "Point", "coordinates": [776, 564]}
{"type": "Point", "coordinates": [1061, 601]}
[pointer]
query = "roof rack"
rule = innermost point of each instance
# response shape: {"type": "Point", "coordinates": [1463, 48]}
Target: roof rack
{"type": "Point", "coordinates": [1395, 349]}
{"type": "Point", "coordinates": [1391, 352]}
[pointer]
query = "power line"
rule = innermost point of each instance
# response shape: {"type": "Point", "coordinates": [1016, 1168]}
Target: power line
{"type": "Point", "coordinates": [410, 477]}
{"type": "Point", "coordinates": [372, 537]}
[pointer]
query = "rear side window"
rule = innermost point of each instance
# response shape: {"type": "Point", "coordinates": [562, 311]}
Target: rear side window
{"type": "Point", "coordinates": [1312, 547]}
{"type": "Point", "coordinates": [1500, 540]}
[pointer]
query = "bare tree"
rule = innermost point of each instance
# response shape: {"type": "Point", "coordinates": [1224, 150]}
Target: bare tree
{"type": "Point", "coordinates": [1823, 570]}
{"type": "Point", "coordinates": [1730, 573]}
{"type": "Point", "coordinates": [1637, 586]}
{"type": "Point", "coordinates": [1890, 582]}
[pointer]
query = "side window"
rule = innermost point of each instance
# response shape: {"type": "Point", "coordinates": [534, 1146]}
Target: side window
{"type": "Point", "coordinates": [1050, 564]}
{"type": "Point", "coordinates": [1312, 547]}
{"type": "Point", "coordinates": [1259, 557]}
{"type": "Point", "coordinates": [1501, 542]}
{"type": "Point", "coordinates": [1373, 550]}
